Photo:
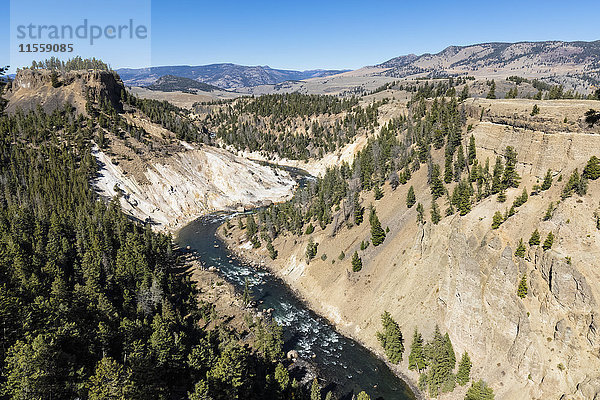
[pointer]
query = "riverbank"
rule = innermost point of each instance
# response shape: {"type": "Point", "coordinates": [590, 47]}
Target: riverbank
{"type": "Point", "coordinates": [242, 250]}
{"type": "Point", "coordinates": [224, 306]}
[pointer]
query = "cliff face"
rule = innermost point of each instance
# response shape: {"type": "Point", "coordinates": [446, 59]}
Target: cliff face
{"type": "Point", "coordinates": [173, 191]}
{"type": "Point", "coordinates": [463, 275]}
{"type": "Point", "coordinates": [33, 87]}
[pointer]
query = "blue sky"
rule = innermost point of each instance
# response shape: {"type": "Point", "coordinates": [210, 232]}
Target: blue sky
{"type": "Point", "coordinates": [318, 34]}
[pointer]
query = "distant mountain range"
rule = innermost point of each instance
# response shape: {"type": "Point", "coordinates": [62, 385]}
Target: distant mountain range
{"type": "Point", "coordinates": [574, 64]}
{"type": "Point", "coordinates": [529, 59]}
{"type": "Point", "coordinates": [224, 76]}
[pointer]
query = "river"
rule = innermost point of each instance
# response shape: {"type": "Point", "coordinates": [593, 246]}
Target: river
{"type": "Point", "coordinates": [346, 365]}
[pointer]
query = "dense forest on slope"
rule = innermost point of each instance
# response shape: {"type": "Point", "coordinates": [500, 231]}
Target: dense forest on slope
{"type": "Point", "coordinates": [402, 147]}
{"type": "Point", "coordinates": [294, 126]}
{"type": "Point", "coordinates": [94, 305]}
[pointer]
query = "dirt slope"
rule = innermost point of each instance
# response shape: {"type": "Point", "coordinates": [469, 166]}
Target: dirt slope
{"type": "Point", "coordinates": [463, 275]}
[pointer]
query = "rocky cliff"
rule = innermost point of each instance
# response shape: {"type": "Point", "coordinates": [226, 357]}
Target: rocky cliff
{"type": "Point", "coordinates": [463, 275]}
{"type": "Point", "coordinates": [52, 90]}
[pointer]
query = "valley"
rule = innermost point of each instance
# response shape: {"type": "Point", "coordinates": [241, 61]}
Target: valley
{"type": "Point", "coordinates": [424, 228]}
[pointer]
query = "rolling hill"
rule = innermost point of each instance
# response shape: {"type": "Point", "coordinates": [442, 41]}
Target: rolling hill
{"type": "Point", "coordinates": [225, 76]}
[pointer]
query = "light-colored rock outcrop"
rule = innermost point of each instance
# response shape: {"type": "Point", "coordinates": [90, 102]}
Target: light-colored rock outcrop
{"type": "Point", "coordinates": [191, 183]}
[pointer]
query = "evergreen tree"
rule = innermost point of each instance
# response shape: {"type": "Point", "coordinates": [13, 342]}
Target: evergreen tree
{"type": "Point", "coordinates": [110, 381]}
{"type": "Point", "coordinates": [448, 170]}
{"type": "Point", "coordinates": [464, 94]}
{"type": "Point", "coordinates": [549, 212]}
{"type": "Point", "coordinates": [520, 251]}
{"type": "Point", "coordinates": [522, 289]}
{"type": "Point", "coordinates": [435, 213]}
{"type": "Point", "coordinates": [464, 370]}
{"type": "Point", "coordinates": [592, 169]}
{"type": "Point", "coordinates": [311, 250]}
{"type": "Point", "coordinates": [282, 376]}
{"type": "Point", "coordinates": [535, 110]}
{"type": "Point", "coordinates": [497, 176]}
{"type": "Point", "coordinates": [378, 193]}
{"type": "Point", "coordinates": [441, 360]}
{"type": "Point", "coordinates": [534, 240]}
{"type": "Point", "coordinates": [358, 210]}
{"type": "Point", "coordinates": [391, 338]}
{"type": "Point", "coordinates": [576, 183]}
{"type": "Point", "coordinates": [356, 262]}
{"type": "Point", "coordinates": [411, 199]}
{"type": "Point", "coordinates": [497, 220]}
{"type": "Point", "coordinates": [472, 150]}
{"type": "Point", "coordinates": [420, 213]}
{"type": "Point", "coordinates": [549, 241]}
{"type": "Point", "coordinates": [315, 390]}
{"type": "Point", "coordinates": [479, 391]}
{"type": "Point", "coordinates": [437, 186]}
{"type": "Point", "coordinates": [547, 180]}
{"type": "Point", "coordinates": [377, 233]}
{"type": "Point", "coordinates": [492, 92]}
{"type": "Point", "coordinates": [461, 197]}
{"type": "Point", "coordinates": [201, 391]}
{"type": "Point", "coordinates": [510, 178]}
{"type": "Point", "coordinates": [271, 249]}
{"type": "Point", "coordinates": [363, 396]}
{"type": "Point", "coordinates": [416, 358]}
{"type": "Point", "coordinates": [522, 199]}
{"type": "Point", "coordinates": [460, 163]}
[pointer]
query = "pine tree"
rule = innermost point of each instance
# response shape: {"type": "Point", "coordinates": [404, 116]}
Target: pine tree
{"type": "Point", "coordinates": [411, 199]}
{"type": "Point", "coordinates": [549, 241]}
{"type": "Point", "coordinates": [464, 94]}
{"type": "Point", "coordinates": [358, 210]}
{"type": "Point", "coordinates": [479, 391]}
{"type": "Point", "coordinates": [510, 178]}
{"type": "Point", "coordinates": [435, 213]}
{"type": "Point", "coordinates": [377, 232]}
{"type": "Point", "coordinates": [356, 262]}
{"type": "Point", "coordinates": [492, 93]}
{"type": "Point", "coordinates": [497, 220]}
{"type": "Point", "coordinates": [437, 186]}
{"type": "Point", "coordinates": [535, 110]}
{"type": "Point", "coordinates": [547, 180]}
{"type": "Point", "coordinates": [391, 338]}
{"type": "Point", "coordinates": [247, 294]}
{"type": "Point", "coordinates": [460, 163]}
{"type": "Point", "coordinates": [592, 169]}
{"type": "Point", "coordinates": [461, 197]}
{"type": "Point", "coordinates": [311, 250]}
{"type": "Point", "coordinates": [420, 213]}
{"type": "Point", "coordinates": [497, 176]}
{"type": "Point", "coordinates": [448, 171]}
{"type": "Point", "coordinates": [315, 390]}
{"type": "Point", "coordinates": [522, 199]}
{"type": "Point", "coordinates": [363, 396]}
{"type": "Point", "coordinates": [549, 211]}
{"type": "Point", "coordinates": [472, 150]}
{"type": "Point", "coordinates": [464, 370]}
{"type": "Point", "coordinates": [271, 249]}
{"type": "Point", "coordinates": [522, 289]}
{"type": "Point", "coordinates": [520, 252]}
{"type": "Point", "coordinates": [416, 358]}
{"type": "Point", "coordinates": [534, 240]}
{"type": "Point", "coordinates": [110, 381]}
{"type": "Point", "coordinates": [378, 193]}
